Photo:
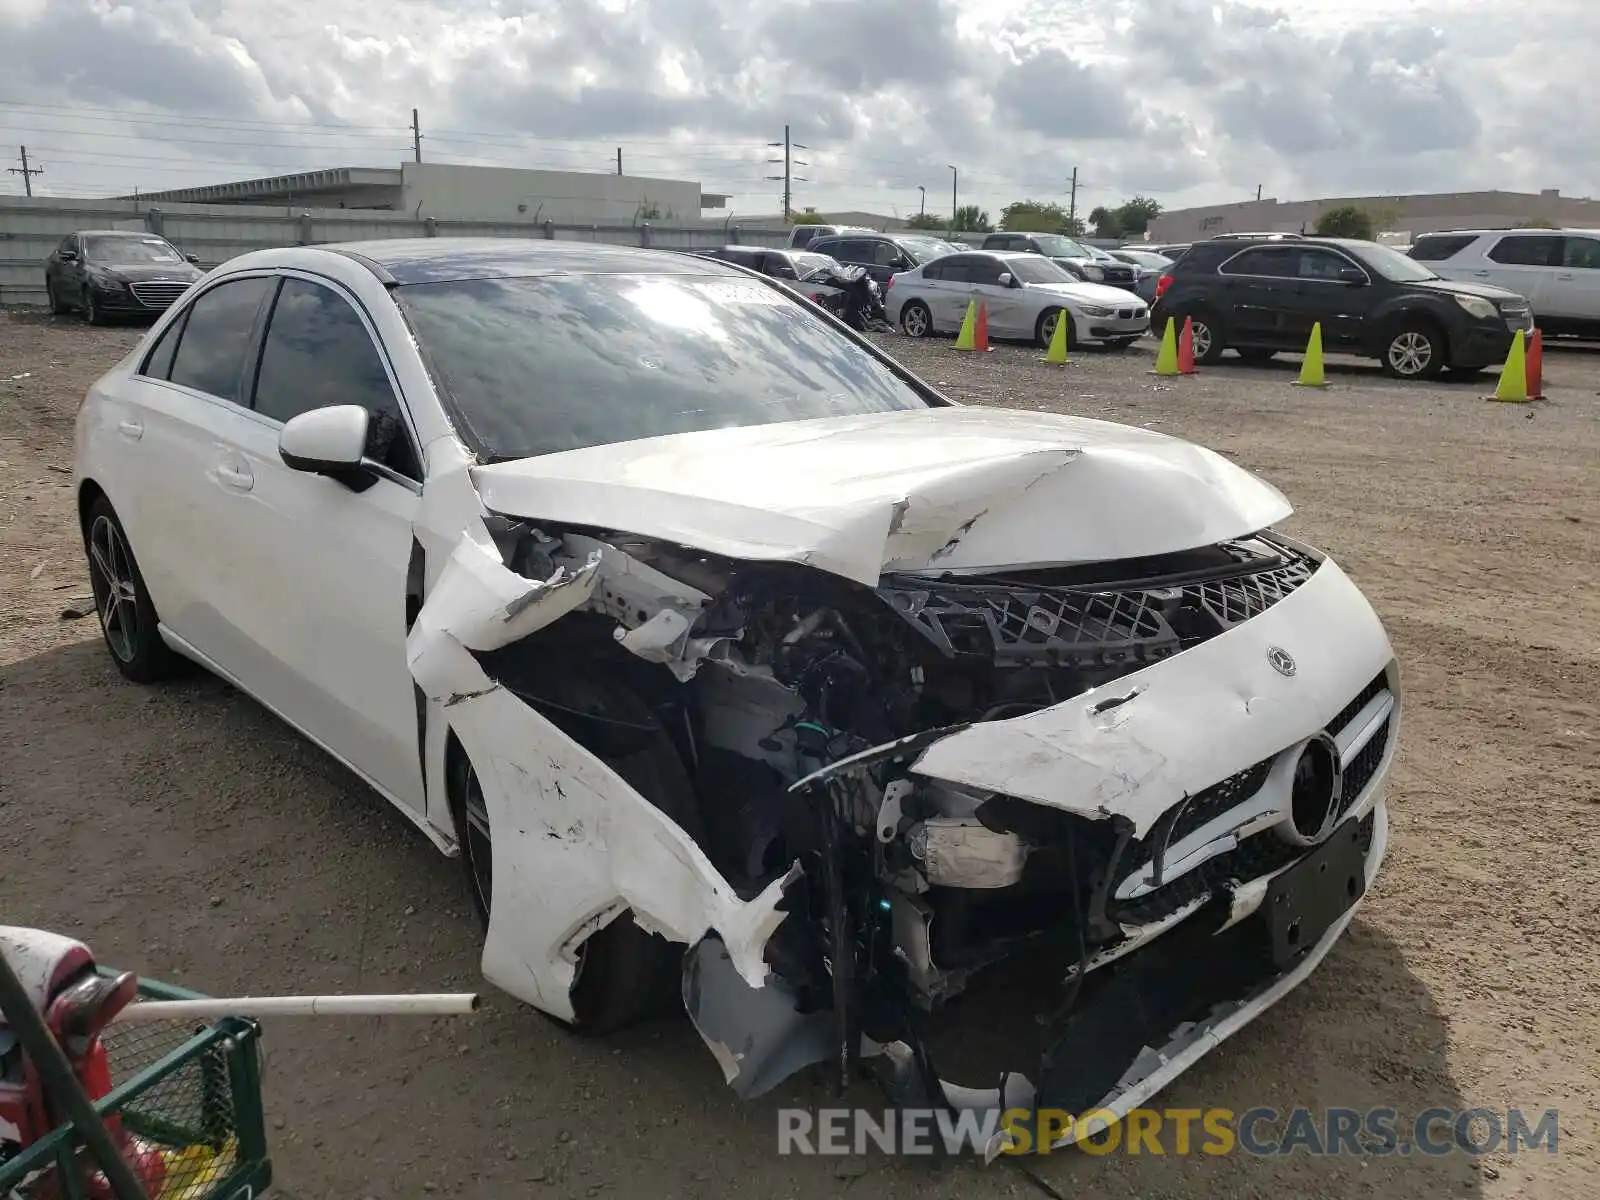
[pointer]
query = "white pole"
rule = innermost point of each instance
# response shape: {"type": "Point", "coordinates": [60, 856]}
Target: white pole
{"type": "Point", "coordinates": [443, 1005]}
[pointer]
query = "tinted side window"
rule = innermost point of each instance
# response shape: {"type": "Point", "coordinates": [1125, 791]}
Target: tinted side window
{"type": "Point", "coordinates": [1320, 264]}
{"type": "Point", "coordinates": [1528, 250]}
{"type": "Point", "coordinates": [316, 353]}
{"type": "Point", "coordinates": [1266, 260]}
{"type": "Point", "coordinates": [216, 335]}
{"type": "Point", "coordinates": [159, 364]}
{"type": "Point", "coordinates": [1581, 252]}
{"type": "Point", "coordinates": [851, 250]}
{"type": "Point", "coordinates": [936, 269]}
{"type": "Point", "coordinates": [1436, 247]}
{"type": "Point", "coordinates": [986, 271]}
{"type": "Point", "coordinates": [957, 267]}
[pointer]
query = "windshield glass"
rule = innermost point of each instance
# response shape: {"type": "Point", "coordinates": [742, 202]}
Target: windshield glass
{"type": "Point", "coordinates": [1057, 246]}
{"type": "Point", "coordinates": [1144, 258]}
{"type": "Point", "coordinates": [925, 249]}
{"type": "Point", "coordinates": [131, 250]}
{"type": "Point", "coordinates": [1036, 269]}
{"type": "Point", "coordinates": [537, 366]}
{"type": "Point", "coordinates": [1391, 264]}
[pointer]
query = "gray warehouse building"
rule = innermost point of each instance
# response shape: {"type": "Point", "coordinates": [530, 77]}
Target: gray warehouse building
{"type": "Point", "coordinates": [450, 190]}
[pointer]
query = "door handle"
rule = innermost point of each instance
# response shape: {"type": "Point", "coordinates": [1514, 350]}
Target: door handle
{"type": "Point", "coordinates": [235, 476]}
{"type": "Point", "coordinates": [1481, 274]}
{"type": "Point", "coordinates": [1566, 275]}
{"type": "Point", "coordinates": [132, 430]}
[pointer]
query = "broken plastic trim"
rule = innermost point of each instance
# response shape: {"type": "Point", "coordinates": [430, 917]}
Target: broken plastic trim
{"type": "Point", "coordinates": [573, 844]}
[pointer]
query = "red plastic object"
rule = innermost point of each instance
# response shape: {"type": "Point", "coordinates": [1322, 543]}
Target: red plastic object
{"type": "Point", "coordinates": [1534, 369]}
{"type": "Point", "coordinates": [980, 334]}
{"type": "Point", "coordinates": [1186, 348]}
{"type": "Point", "coordinates": [1162, 284]}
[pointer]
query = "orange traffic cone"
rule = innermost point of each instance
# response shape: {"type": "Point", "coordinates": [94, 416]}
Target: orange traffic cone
{"type": "Point", "coordinates": [1535, 370]}
{"type": "Point", "coordinates": [1186, 348]}
{"type": "Point", "coordinates": [983, 327]}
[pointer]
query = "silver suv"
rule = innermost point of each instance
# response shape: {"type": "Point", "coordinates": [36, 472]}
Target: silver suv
{"type": "Point", "coordinates": [1557, 270]}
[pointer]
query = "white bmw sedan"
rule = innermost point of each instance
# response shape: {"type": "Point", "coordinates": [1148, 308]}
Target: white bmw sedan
{"type": "Point", "coordinates": [739, 665]}
{"type": "Point", "coordinates": [1024, 295]}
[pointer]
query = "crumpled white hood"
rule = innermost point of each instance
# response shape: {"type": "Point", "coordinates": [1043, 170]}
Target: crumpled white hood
{"type": "Point", "coordinates": [959, 488]}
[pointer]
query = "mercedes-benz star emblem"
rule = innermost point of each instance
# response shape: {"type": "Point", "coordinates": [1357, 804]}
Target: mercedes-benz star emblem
{"type": "Point", "coordinates": [1282, 661]}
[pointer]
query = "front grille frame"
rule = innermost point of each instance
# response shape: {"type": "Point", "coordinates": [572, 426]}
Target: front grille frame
{"type": "Point", "coordinates": [158, 295]}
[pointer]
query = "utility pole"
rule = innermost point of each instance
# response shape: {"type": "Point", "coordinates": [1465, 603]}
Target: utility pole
{"type": "Point", "coordinates": [416, 136]}
{"type": "Point", "coordinates": [619, 160]}
{"type": "Point", "coordinates": [1072, 202]}
{"type": "Point", "coordinates": [922, 210]}
{"type": "Point", "coordinates": [788, 177]}
{"type": "Point", "coordinates": [955, 195]}
{"type": "Point", "coordinates": [1258, 193]}
{"type": "Point", "coordinates": [25, 171]}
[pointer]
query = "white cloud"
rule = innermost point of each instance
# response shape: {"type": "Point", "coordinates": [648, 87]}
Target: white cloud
{"type": "Point", "coordinates": [1191, 101]}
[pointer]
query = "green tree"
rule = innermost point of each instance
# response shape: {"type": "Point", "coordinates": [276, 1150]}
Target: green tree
{"type": "Point", "coordinates": [1033, 216]}
{"type": "Point", "coordinates": [925, 221]}
{"type": "Point", "coordinates": [1539, 223]}
{"type": "Point", "coordinates": [1134, 217]}
{"type": "Point", "coordinates": [971, 219]}
{"type": "Point", "coordinates": [1105, 222]}
{"type": "Point", "coordinates": [808, 218]}
{"type": "Point", "coordinates": [1346, 221]}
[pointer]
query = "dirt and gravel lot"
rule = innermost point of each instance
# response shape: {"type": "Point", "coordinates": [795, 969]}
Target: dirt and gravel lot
{"type": "Point", "coordinates": [185, 833]}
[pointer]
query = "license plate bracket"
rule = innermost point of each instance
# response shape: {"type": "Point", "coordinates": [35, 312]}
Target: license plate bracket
{"type": "Point", "coordinates": [1304, 901]}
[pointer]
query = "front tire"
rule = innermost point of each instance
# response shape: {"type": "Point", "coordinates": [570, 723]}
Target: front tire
{"type": "Point", "coordinates": [915, 320]}
{"type": "Point", "coordinates": [624, 974]}
{"type": "Point", "coordinates": [1415, 350]}
{"type": "Point", "coordinates": [1044, 329]}
{"type": "Point", "coordinates": [122, 602]}
{"type": "Point", "coordinates": [91, 311]}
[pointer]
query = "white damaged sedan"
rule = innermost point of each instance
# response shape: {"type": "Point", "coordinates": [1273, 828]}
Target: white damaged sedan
{"type": "Point", "coordinates": [738, 664]}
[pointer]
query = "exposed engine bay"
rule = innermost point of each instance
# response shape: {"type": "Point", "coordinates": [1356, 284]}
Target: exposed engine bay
{"type": "Point", "coordinates": [797, 702]}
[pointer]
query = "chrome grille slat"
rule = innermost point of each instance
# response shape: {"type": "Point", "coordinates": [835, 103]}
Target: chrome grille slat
{"type": "Point", "coordinates": [157, 294]}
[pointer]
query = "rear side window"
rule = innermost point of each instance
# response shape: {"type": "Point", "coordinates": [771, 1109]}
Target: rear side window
{"type": "Point", "coordinates": [1436, 247]}
{"type": "Point", "coordinates": [216, 336]}
{"type": "Point", "coordinates": [1274, 261]}
{"type": "Point", "coordinates": [936, 269]}
{"type": "Point", "coordinates": [1528, 250]}
{"type": "Point", "coordinates": [1581, 252]}
{"type": "Point", "coordinates": [159, 364]}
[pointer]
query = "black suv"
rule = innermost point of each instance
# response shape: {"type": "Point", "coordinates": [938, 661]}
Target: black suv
{"type": "Point", "coordinates": [1260, 296]}
{"type": "Point", "coordinates": [883, 254]}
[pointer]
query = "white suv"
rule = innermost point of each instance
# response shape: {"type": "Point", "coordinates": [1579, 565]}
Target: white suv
{"type": "Point", "coordinates": [1557, 270]}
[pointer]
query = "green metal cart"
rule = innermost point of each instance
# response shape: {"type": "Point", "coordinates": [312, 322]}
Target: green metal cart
{"type": "Point", "coordinates": [191, 1095]}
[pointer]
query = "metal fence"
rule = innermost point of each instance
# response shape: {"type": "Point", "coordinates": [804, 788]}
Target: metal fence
{"type": "Point", "coordinates": [30, 228]}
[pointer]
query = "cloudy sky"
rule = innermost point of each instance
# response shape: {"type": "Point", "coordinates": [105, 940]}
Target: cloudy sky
{"type": "Point", "coordinates": [1188, 101]}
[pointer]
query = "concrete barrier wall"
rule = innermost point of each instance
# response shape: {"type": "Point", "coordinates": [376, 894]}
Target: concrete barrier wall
{"type": "Point", "coordinates": [30, 228]}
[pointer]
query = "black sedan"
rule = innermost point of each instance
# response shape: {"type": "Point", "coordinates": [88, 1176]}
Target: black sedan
{"type": "Point", "coordinates": [107, 272]}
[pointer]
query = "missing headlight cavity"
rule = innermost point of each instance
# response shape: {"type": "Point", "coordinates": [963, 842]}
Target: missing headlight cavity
{"type": "Point", "coordinates": [818, 729]}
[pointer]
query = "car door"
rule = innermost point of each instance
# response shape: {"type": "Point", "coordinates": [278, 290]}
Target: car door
{"type": "Point", "coordinates": [948, 289]}
{"type": "Point", "coordinates": [1320, 293]}
{"type": "Point", "coordinates": [1258, 288]}
{"type": "Point", "coordinates": [318, 591]}
{"type": "Point", "coordinates": [1573, 290]}
{"type": "Point", "coordinates": [1523, 262]}
{"type": "Point", "coordinates": [55, 267]}
{"type": "Point", "coordinates": [1002, 302]}
{"type": "Point", "coordinates": [181, 416]}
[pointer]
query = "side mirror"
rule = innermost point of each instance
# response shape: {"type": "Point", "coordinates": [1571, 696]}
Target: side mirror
{"type": "Point", "coordinates": [1006, 279]}
{"type": "Point", "coordinates": [194, 258]}
{"type": "Point", "coordinates": [69, 256]}
{"type": "Point", "coordinates": [1354, 276]}
{"type": "Point", "coordinates": [329, 441]}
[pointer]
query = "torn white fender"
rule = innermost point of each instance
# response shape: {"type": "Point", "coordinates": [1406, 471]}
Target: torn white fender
{"type": "Point", "coordinates": [573, 844]}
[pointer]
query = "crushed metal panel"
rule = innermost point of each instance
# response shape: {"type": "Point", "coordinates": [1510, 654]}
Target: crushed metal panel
{"type": "Point", "coordinates": [572, 839]}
